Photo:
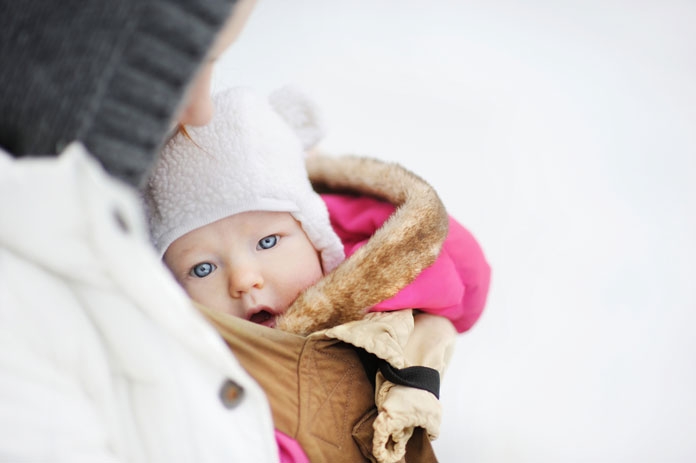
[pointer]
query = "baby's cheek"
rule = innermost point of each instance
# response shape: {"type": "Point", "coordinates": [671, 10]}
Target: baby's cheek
{"type": "Point", "coordinates": [303, 282]}
{"type": "Point", "coordinates": [198, 293]}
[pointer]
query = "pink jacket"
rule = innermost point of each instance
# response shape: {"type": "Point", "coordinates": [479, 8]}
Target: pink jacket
{"type": "Point", "coordinates": [455, 286]}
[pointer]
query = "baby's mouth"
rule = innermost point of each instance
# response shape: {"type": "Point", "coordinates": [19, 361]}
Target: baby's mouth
{"type": "Point", "coordinates": [263, 317]}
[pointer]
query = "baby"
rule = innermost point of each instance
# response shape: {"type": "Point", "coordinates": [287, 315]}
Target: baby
{"type": "Point", "coordinates": [239, 225]}
{"type": "Point", "coordinates": [235, 217]}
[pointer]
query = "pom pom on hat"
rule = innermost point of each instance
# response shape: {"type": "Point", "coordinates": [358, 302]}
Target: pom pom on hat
{"type": "Point", "coordinates": [246, 159]}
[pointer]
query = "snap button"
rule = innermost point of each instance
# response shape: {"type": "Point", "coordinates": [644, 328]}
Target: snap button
{"type": "Point", "coordinates": [231, 393]}
{"type": "Point", "coordinates": [120, 220]}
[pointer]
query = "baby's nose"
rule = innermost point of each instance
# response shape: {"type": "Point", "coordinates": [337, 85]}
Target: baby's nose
{"type": "Point", "coordinates": [243, 278]}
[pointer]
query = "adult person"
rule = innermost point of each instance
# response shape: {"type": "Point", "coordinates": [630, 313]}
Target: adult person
{"type": "Point", "coordinates": [102, 357]}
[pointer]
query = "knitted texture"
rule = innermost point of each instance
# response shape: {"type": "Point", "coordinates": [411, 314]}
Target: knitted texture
{"type": "Point", "coordinates": [108, 74]}
{"type": "Point", "coordinates": [246, 159]}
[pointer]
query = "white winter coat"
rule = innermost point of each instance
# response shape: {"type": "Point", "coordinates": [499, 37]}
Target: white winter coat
{"type": "Point", "coordinates": [102, 358]}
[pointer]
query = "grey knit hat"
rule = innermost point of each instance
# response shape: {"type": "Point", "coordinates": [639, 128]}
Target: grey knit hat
{"type": "Point", "coordinates": [110, 74]}
{"type": "Point", "coordinates": [248, 158]}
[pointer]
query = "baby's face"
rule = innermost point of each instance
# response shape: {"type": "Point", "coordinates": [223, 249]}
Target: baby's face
{"type": "Point", "coordinates": [251, 265]}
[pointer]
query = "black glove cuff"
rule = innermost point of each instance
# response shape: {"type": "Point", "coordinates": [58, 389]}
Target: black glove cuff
{"type": "Point", "coordinates": [419, 377]}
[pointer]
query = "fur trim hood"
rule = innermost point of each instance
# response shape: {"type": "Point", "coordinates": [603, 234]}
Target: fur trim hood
{"type": "Point", "coordinates": [407, 243]}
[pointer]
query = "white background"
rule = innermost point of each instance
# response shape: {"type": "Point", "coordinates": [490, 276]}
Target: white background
{"type": "Point", "coordinates": [562, 134]}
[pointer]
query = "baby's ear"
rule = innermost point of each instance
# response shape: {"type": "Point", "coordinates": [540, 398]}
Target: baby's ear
{"type": "Point", "coordinates": [299, 112]}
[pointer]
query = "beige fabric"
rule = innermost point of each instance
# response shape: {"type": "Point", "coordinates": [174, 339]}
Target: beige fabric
{"type": "Point", "coordinates": [401, 409]}
{"type": "Point", "coordinates": [321, 396]}
{"type": "Point", "coordinates": [317, 386]}
{"type": "Point", "coordinates": [403, 339]}
{"type": "Point", "coordinates": [431, 343]}
{"type": "Point", "coordinates": [384, 334]}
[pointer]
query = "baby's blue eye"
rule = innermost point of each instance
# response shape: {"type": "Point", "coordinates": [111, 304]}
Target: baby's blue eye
{"type": "Point", "coordinates": [202, 270]}
{"type": "Point", "coordinates": [267, 242]}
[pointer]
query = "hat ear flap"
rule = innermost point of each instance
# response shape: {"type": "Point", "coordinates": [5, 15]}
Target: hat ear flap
{"type": "Point", "coordinates": [301, 113]}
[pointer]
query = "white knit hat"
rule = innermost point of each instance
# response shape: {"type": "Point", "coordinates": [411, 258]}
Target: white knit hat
{"type": "Point", "coordinates": [248, 158]}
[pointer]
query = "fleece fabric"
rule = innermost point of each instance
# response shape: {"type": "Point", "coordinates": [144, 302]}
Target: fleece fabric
{"type": "Point", "coordinates": [248, 158]}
